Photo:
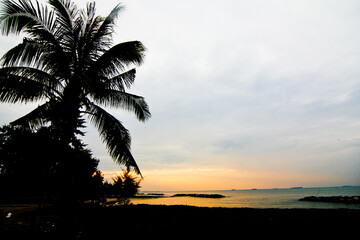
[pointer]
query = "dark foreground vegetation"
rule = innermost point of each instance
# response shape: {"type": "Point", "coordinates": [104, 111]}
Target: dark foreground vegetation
{"type": "Point", "coordinates": [95, 222]}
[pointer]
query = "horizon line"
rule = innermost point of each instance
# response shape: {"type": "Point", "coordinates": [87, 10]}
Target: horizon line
{"type": "Point", "coordinates": [251, 189]}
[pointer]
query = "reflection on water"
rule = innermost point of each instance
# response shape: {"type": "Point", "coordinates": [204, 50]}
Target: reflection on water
{"type": "Point", "coordinates": [267, 198]}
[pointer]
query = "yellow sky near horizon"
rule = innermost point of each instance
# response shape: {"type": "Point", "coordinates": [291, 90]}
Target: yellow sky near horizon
{"type": "Point", "coordinates": [222, 179]}
{"type": "Point", "coordinates": [202, 171]}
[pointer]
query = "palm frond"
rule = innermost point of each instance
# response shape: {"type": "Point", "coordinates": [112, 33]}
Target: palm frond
{"type": "Point", "coordinates": [37, 20]}
{"type": "Point", "coordinates": [14, 88]}
{"type": "Point", "coordinates": [66, 13]}
{"type": "Point", "coordinates": [94, 83]}
{"type": "Point", "coordinates": [49, 81]}
{"type": "Point", "coordinates": [25, 53]}
{"type": "Point", "coordinates": [34, 119]}
{"type": "Point", "coordinates": [126, 101]}
{"type": "Point", "coordinates": [108, 24]}
{"type": "Point", "coordinates": [122, 80]}
{"type": "Point", "coordinates": [16, 16]}
{"type": "Point", "coordinates": [89, 48]}
{"type": "Point", "coordinates": [42, 49]}
{"type": "Point", "coordinates": [90, 10]}
{"type": "Point", "coordinates": [96, 35]}
{"type": "Point", "coordinates": [104, 34]}
{"type": "Point", "coordinates": [118, 57]}
{"type": "Point", "coordinates": [38, 54]}
{"type": "Point", "coordinates": [114, 135]}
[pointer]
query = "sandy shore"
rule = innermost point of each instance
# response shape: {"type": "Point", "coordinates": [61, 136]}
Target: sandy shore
{"type": "Point", "coordinates": [180, 221]}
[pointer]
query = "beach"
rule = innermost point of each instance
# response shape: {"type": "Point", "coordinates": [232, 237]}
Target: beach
{"type": "Point", "coordinates": [95, 222]}
{"type": "Point", "coordinates": [203, 221]}
{"type": "Point", "coordinates": [270, 212]}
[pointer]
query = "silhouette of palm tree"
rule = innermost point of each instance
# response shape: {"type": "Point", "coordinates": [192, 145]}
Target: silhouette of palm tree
{"type": "Point", "coordinates": [125, 186]}
{"type": "Point", "coordinates": [68, 62]}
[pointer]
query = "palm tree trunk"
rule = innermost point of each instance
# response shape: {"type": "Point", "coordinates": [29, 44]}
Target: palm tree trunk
{"type": "Point", "coordinates": [66, 119]}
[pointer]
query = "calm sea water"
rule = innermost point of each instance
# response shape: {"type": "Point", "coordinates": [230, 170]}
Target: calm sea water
{"type": "Point", "coordinates": [262, 198]}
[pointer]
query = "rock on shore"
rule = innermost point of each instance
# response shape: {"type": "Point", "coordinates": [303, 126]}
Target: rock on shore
{"type": "Point", "coordinates": [333, 199]}
{"type": "Point", "coordinates": [199, 195]}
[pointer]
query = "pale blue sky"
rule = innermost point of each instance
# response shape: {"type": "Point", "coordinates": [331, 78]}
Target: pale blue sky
{"type": "Point", "coordinates": [246, 93]}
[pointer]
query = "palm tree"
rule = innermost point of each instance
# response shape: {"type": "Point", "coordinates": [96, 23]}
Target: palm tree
{"type": "Point", "coordinates": [125, 186]}
{"type": "Point", "coordinates": [68, 63]}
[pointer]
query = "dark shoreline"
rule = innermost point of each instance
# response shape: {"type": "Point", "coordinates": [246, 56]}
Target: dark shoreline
{"type": "Point", "coordinates": [333, 199]}
{"type": "Point", "coordinates": [94, 222]}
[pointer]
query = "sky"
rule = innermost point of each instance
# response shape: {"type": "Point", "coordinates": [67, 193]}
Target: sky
{"type": "Point", "coordinates": [243, 93]}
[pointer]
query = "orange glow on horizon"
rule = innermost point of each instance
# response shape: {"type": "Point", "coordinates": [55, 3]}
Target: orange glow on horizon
{"type": "Point", "coordinates": [224, 179]}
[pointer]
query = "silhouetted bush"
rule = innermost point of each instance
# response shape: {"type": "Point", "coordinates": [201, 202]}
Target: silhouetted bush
{"type": "Point", "coordinates": [37, 167]}
{"type": "Point", "coordinates": [125, 186]}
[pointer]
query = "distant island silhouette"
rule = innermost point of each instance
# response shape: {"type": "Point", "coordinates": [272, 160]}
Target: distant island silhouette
{"type": "Point", "coordinates": [198, 195]}
{"type": "Point", "coordinates": [161, 195]}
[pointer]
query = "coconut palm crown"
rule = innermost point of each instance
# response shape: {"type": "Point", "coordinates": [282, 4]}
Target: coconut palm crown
{"type": "Point", "coordinates": [68, 63]}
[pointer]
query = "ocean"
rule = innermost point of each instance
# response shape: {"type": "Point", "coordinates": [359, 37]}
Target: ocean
{"type": "Point", "coordinates": [261, 198]}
